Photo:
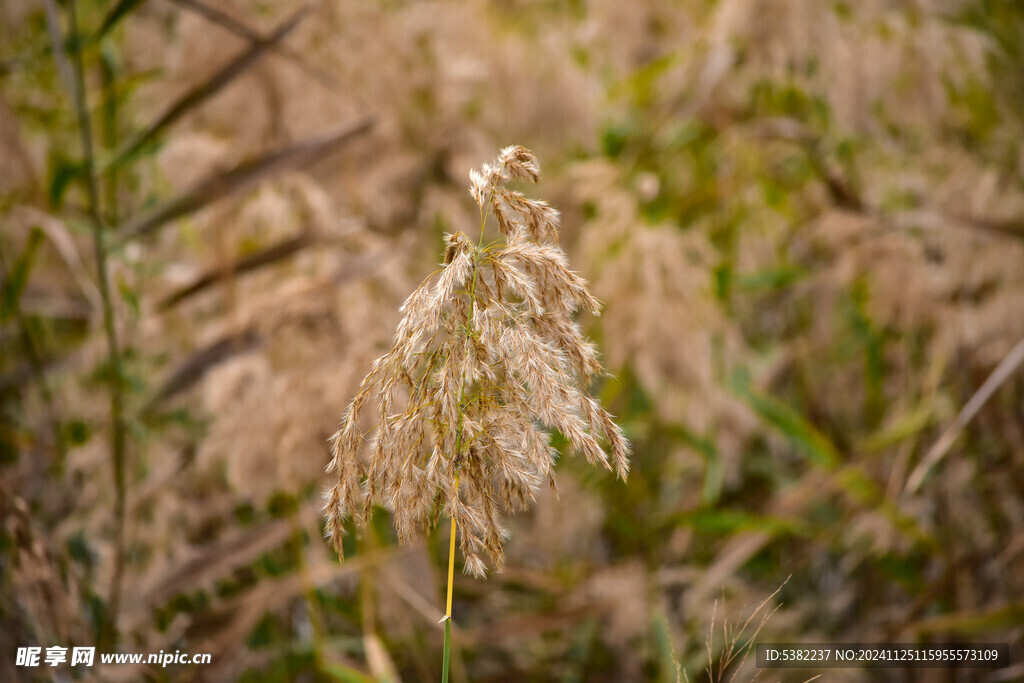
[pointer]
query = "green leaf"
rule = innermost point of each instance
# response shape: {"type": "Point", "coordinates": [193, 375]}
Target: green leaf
{"type": "Point", "coordinates": [111, 57]}
{"type": "Point", "coordinates": [723, 280]}
{"type": "Point", "coordinates": [770, 279]}
{"type": "Point", "coordinates": [614, 139]}
{"type": "Point", "coordinates": [128, 294]}
{"type": "Point", "coordinates": [120, 11]}
{"type": "Point", "coordinates": [76, 432]}
{"type": "Point", "coordinates": [63, 172]}
{"type": "Point", "coordinates": [79, 550]}
{"type": "Point", "coordinates": [14, 284]}
{"type": "Point", "coordinates": [340, 672]}
{"type": "Point", "coordinates": [732, 521]}
{"type": "Point", "coordinates": [644, 84]}
{"type": "Point", "coordinates": [714, 475]}
{"type": "Point", "coordinates": [902, 427]}
{"type": "Point", "coordinates": [801, 434]}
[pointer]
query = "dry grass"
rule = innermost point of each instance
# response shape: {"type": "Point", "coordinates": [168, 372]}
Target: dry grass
{"type": "Point", "coordinates": [485, 357]}
{"type": "Point", "coordinates": [824, 198]}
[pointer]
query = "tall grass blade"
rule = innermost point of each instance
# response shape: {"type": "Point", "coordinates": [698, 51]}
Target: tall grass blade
{"type": "Point", "coordinates": [803, 436]}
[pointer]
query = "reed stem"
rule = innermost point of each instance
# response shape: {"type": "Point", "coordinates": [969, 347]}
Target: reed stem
{"type": "Point", "coordinates": [119, 431]}
{"type": "Point", "coordinates": [448, 608]}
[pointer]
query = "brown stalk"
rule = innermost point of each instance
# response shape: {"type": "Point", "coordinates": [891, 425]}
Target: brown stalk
{"type": "Point", "coordinates": [938, 451]}
{"type": "Point", "coordinates": [195, 367]}
{"type": "Point", "coordinates": [218, 185]}
{"type": "Point", "coordinates": [265, 257]}
{"type": "Point", "coordinates": [207, 89]}
{"type": "Point", "coordinates": [219, 560]}
{"type": "Point", "coordinates": [253, 36]}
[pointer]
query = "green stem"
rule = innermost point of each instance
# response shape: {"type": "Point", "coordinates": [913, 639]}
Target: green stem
{"type": "Point", "coordinates": [118, 428]}
{"type": "Point", "coordinates": [447, 650]}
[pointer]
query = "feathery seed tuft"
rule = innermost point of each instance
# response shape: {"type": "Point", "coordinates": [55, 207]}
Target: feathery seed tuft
{"type": "Point", "coordinates": [486, 358]}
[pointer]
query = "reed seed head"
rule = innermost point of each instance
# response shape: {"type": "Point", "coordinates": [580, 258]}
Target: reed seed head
{"type": "Point", "coordinates": [486, 359]}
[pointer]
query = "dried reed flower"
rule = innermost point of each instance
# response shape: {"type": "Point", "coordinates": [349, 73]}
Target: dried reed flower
{"type": "Point", "coordinates": [486, 358]}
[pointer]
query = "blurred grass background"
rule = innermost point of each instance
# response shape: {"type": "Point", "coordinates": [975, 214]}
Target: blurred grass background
{"type": "Point", "coordinates": [805, 219]}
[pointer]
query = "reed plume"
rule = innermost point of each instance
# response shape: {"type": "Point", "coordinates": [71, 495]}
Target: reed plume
{"type": "Point", "coordinates": [486, 360]}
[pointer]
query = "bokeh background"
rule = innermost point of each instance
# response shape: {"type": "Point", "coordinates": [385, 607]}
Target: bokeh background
{"type": "Point", "coordinates": [805, 219]}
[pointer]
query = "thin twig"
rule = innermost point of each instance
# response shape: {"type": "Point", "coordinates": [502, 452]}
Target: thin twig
{"type": "Point", "coordinates": [1002, 372]}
